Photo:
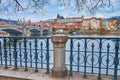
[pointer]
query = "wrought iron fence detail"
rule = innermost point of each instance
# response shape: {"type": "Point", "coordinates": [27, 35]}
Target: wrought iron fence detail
{"type": "Point", "coordinates": [78, 57]}
{"type": "Point", "coordinates": [20, 54]}
{"type": "Point", "coordinates": [94, 55]}
{"type": "Point", "coordinates": [25, 52]}
{"type": "Point", "coordinates": [36, 56]}
{"type": "Point", "coordinates": [85, 58]}
{"type": "Point", "coordinates": [30, 49]}
{"type": "Point", "coordinates": [71, 58]}
{"type": "Point", "coordinates": [15, 53]}
{"type": "Point", "coordinates": [1, 56]}
{"type": "Point", "coordinates": [47, 57]}
{"type": "Point", "coordinates": [107, 60]}
{"type": "Point", "coordinates": [5, 53]}
{"type": "Point", "coordinates": [41, 57]}
{"type": "Point", "coordinates": [100, 59]}
{"type": "Point", "coordinates": [116, 59]}
{"type": "Point", "coordinates": [93, 58]}
{"type": "Point", "coordinates": [10, 54]}
{"type": "Point", "coordinates": [83, 54]}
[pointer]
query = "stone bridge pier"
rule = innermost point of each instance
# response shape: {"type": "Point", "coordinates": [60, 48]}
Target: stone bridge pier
{"type": "Point", "coordinates": [59, 42]}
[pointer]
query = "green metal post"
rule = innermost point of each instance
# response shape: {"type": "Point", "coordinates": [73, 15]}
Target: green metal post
{"type": "Point", "coordinates": [116, 59]}
{"type": "Point", "coordinates": [47, 56]}
{"type": "Point", "coordinates": [85, 59]}
{"type": "Point", "coordinates": [36, 56]}
{"type": "Point", "coordinates": [41, 44]}
{"type": "Point", "coordinates": [20, 54]}
{"type": "Point", "coordinates": [71, 57]}
{"type": "Point", "coordinates": [108, 47]}
{"type": "Point", "coordinates": [15, 54]}
{"type": "Point", "coordinates": [100, 59]}
{"type": "Point", "coordinates": [25, 53]}
{"type": "Point", "coordinates": [1, 58]}
{"type": "Point", "coordinates": [92, 56]}
{"type": "Point", "coordinates": [30, 54]}
{"type": "Point", "coordinates": [5, 53]}
{"type": "Point", "coordinates": [10, 52]}
{"type": "Point", "coordinates": [78, 58]}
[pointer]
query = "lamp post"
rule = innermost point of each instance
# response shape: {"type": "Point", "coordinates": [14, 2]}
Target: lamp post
{"type": "Point", "coordinates": [24, 27]}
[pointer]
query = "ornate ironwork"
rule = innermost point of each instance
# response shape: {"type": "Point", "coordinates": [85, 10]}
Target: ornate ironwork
{"type": "Point", "coordinates": [25, 52]}
{"type": "Point", "coordinates": [96, 55]}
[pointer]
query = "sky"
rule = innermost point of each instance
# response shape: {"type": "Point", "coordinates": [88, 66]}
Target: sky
{"type": "Point", "coordinates": [51, 10]}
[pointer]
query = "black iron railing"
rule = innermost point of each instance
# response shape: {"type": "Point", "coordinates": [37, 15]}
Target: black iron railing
{"type": "Point", "coordinates": [95, 55]}
{"type": "Point", "coordinates": [27, 52]}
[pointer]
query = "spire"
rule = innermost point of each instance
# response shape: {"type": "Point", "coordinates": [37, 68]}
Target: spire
{"type": "Point", "coordinates": [59, 16]}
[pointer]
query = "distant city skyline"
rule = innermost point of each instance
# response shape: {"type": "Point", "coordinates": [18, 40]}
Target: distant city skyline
{"type": "Point", "coordinates": [51, 11]}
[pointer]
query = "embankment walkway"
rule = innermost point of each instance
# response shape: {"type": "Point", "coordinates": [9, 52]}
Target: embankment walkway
{"type": "Point", "coordinates": [41, 75]}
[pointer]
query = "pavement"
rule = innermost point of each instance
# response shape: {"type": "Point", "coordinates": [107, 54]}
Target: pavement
{"type": "Point", "coordinates": [41, 75]}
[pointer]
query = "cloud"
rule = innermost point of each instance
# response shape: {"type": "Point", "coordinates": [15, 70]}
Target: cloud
{"type": "Point", "coordinates": [63, 7]}
{"type": "Point", "coordinates": [99, 15]}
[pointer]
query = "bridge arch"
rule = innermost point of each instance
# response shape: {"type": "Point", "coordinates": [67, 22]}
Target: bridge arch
{"type": "Point", "coordinates": [34, 31]}
{"type": "Point", "coordinates": [45, 31]}
{"type": "Point", "coordinates": [12, 31]}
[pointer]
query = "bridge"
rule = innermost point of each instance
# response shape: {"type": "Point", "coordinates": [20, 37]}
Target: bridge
{"type": "Point", "coordinates": [16, 30]}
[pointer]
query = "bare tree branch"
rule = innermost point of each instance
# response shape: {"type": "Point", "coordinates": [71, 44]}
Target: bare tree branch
{"type": "Point", "coordinates": [18, 6]}
{"type": "Point", "coordinates": [80, 5]}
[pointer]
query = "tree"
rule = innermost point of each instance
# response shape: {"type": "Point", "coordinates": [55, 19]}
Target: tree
{"type": "Point", "coordinates": [19, 5]}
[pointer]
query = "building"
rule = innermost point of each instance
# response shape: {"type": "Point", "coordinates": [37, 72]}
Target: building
{"type": "Point", "coordinates": [92, 23]}
{"type": "Point", "coordinates": [72, 23]}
